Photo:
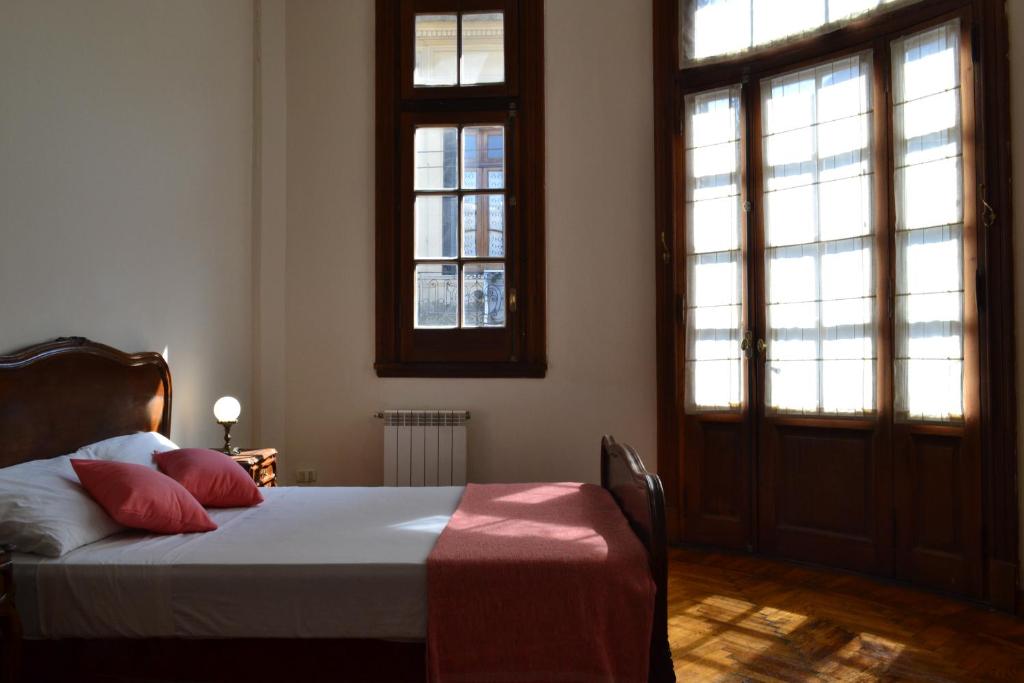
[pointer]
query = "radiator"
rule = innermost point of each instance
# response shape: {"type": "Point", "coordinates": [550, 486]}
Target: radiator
{"type": "Point", "coordinates": [424, 447]}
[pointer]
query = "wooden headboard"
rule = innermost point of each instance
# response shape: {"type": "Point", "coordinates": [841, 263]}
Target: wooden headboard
{"type": "Point", "coordinates": [58, 396]}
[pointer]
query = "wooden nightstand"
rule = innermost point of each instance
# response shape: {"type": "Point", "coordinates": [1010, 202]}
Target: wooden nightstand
{"type": "Point", "coordinates": [260, 463]}
{"type": "Point", "coordinates": [10, 625]}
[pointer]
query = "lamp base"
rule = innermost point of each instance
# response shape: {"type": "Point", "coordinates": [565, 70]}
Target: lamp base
{"type": "Point", "coordinates": [228, 448]}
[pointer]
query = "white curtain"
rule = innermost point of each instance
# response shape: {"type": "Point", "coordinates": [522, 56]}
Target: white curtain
{"type": "Point", "coordinates": [929, 225]}
{"type": "Point", "coordinates": [819, 225]}
{"type": "Point", "coordinates": [714, 29]}
{"type": "Point", "coordinates": [714, 242]}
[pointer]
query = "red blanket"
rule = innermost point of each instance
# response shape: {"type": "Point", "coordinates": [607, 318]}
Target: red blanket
{"type": "Point", "coordinates": [538, 582]}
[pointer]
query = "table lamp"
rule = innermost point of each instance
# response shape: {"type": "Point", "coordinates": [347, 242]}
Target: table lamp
{"type": "Point", "coordinates": [226, 411]}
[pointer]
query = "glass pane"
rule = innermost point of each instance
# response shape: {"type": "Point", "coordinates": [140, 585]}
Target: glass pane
{"type": "Point", "coordinates": [483, 157]}
{"type": "Point", "coordinates": [483, 295]}
{"type": "Point", "coordinates": [436, 50]}
{"type": "Point", "coordinates": [483, 48]}
{"type": "Point", "coordinates": [929, 224]}
{"type": "Point", "coordinates": [715, 28]}
{"type": "Point", "coordinates": [437, 295]}
{"type": "Point", "coordinates": [819, 264]}
{"type": "Point", "coordinates": [437, 226]}
{"type": "Point", "coordinates": [714, 315]}
{"type": "Point", "coordinates": [483, 225]}
{"type": "Point", "coordinates": [436, 159]}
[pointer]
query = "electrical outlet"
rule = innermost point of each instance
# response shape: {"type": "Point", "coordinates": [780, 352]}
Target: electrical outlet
{"type": "Point", "coordinates": [305, 476]}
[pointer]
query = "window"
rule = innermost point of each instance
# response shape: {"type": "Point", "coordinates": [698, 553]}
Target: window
{"type": "Point", "coordinates": [800, 151]}
{"type": "Point", "coordinates": [819, 256]}
{"type": "Point", "coordinates": [929, 225]}
{"type": "Point", "coordinates": [719, 28]}
{"type": "Point", "coordinates": [713, 247]}
{"type": "Point", "coordinates": [460, 288]}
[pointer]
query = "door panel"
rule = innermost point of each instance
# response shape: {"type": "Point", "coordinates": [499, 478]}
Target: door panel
{"type": "Point", "coordinates": [938, 510]}
{"type": "Point", "coordinates": [717, 481]}
{"type": "Point", "coordinates": [824, 494]}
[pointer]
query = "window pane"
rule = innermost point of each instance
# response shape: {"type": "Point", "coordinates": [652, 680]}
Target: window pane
{"type": "Point", "coordinates": [437, 295]}
{"type": "Point", "coordinates": [483, 295]}
{"type": "Point", "coordinates": [714, 315]}
{"type": "Point", "coordinates": [714, 28]}
{"type": "Point", "coordinates": [436, 162]}
{"type": "Point", "coordinates": [436, 50]}
{"type": "Point", "coordinates": [929, 224]}
{"type": "Point", "coordinates": [819, 264]}
{"type": "Point", "coordinates": [437, 226]}
{"type": "Point", "coordinates": [483, 225]}
{"type": "Point", "coordinates": [483, 48]}
{"type": "Point", "coordinates": [483, 157]}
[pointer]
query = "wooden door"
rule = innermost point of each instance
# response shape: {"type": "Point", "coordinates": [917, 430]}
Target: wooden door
{"type": "Point", "coordinates": [716, 418]}
{"type": "Point", "coordinates": [833, 415]}
{"type": "Point", "coordinates": [824, 477]}
{"type": "Point", "coordinates": [936, 438]}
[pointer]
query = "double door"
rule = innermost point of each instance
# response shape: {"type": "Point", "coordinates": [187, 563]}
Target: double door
{"type": "Point", "coordinates": [829, 368]}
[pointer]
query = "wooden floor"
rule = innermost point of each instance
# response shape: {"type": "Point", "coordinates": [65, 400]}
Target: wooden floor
{"type": "Point", "coordinates": [739, 618]}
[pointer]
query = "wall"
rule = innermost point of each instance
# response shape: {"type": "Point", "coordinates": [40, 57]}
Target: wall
{"type": "Point", "coordinates": [1015, 11]}
{"type": "Point", "coordinates": [270, 217]}
{"type": "Point", "coordinates": [125, 170]}
{"type": "Point", "coordinates": [600, 216]}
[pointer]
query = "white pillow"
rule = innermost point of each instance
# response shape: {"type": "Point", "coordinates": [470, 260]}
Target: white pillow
{"type": "Point", "coordinates": [45, 510]}
{"type": "Point", "coordinates": [135, 448]}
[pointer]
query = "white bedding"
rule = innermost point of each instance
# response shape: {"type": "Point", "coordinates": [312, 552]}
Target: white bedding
{"type": "Point", "coordinates": [307, 563]}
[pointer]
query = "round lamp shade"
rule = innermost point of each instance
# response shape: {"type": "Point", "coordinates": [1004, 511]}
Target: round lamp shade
{"type": "Point", "coordinates": [227, 409]}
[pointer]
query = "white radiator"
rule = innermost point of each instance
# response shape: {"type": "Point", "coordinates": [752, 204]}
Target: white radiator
{"type": "Point", "coordinates": [424, 447]}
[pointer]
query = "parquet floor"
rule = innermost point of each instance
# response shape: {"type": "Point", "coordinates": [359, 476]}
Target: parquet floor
{"type": "Point", "coordinates": [739, 618]}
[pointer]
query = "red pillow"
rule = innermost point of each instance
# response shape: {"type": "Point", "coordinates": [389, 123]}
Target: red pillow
{"type": "Point", "coordinates": [213, 478]}
{"type": "Point", "coordinates": [139, 497]}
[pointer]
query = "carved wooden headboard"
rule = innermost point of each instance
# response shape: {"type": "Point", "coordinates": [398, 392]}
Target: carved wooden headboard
{"type": "Point", "coordinates": [58, 396]}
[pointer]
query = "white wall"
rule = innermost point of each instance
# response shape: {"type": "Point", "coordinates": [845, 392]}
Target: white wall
{"type": "Point", "coordinates": [600, 212]}
{"type": "Point", "coordinates": [270, 228]}
{"type": "Point", "coordinates": [125, 170]}
{"type": "Point", "coordinates": [1015, 10]}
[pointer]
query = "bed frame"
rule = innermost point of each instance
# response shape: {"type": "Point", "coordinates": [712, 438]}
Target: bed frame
{"type": "Point", "coordinates": [58, 396]}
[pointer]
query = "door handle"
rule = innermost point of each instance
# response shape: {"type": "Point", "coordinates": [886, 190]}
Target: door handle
{"type": "Point", "coordinates": [746, 342]}
{"type": "Point", "coordinates": [761, 346]}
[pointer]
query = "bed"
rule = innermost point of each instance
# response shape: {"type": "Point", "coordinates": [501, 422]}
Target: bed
{"type": "Point", "coordinates": [271, 596]}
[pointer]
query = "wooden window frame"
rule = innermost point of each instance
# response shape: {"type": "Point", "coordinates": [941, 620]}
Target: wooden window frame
{"type": "Point", "coordinates": [518, 349]}
{"type": "Point", "coordinates": [988, 143]}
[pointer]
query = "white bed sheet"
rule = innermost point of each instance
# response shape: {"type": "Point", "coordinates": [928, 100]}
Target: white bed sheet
{"type": "Point", "coordinates": [326, 562]}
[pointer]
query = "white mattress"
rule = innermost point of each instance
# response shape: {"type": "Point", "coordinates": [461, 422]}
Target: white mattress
{"type": "Point", "coordinates": [307, 563]}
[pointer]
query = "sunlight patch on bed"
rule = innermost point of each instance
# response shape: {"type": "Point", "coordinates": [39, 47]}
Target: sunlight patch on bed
{"type": "Point", "coordinates": [490, 525]}
{"type": "Point", "coordinates": [541, 494]}
{"type": "Point", "coordinates": [434, 524]}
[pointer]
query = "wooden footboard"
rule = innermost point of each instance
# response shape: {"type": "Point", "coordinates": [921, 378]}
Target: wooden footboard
{"type": "Point", "coordinates": [642, 500]}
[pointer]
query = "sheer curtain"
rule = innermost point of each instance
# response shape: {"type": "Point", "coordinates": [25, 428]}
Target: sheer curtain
{"type": "Point", "coordinates": [718, 28]}
{"type": "Point", "coordinates": [819, 225]}
{"type": "Point", "coordinates": [714, 266]}
{"type": "Point", "coordinates": [929, 225]}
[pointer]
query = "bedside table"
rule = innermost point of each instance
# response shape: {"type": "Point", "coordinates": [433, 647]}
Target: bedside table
{"type": "Point", "coordinates": [260, 463]}
{"type": "Point", "coordinates": [10, 625]}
